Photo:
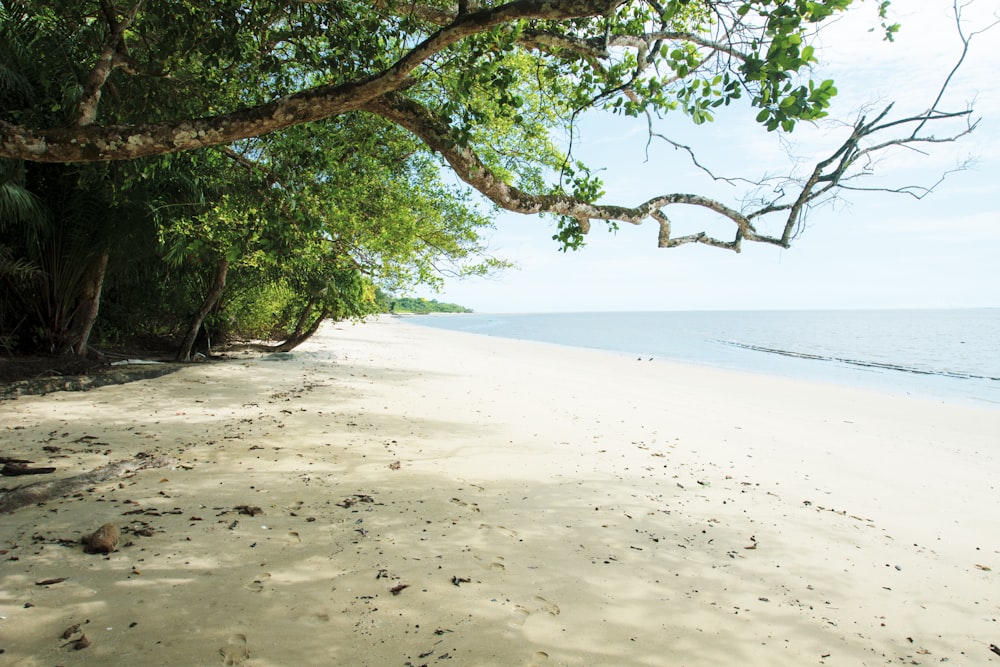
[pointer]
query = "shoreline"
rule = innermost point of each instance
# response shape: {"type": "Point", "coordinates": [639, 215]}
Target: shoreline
{"type": "Point", "coordinates": [703, 345]}
{"type": "Point", "coordinates": [428, 496]}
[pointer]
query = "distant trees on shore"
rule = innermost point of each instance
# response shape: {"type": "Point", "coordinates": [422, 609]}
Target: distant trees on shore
{"type": "Point", "coordinates": [424, 306]}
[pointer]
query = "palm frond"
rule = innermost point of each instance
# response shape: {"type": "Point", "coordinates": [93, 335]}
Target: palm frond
{"type": "Point", "coordinates": [16, 269]}
{"type": "Point", "coordinates": [19, 206]}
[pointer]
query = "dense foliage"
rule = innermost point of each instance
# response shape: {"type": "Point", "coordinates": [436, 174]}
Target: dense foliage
{"type": "Point", "coordinates": [260, 240]}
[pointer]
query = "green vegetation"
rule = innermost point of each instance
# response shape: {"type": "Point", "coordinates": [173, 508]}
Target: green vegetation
{"type": "Point", "coordinates": [197, 171]}
{"type": "Point", "coordinates": [424, 306]}
{"type": "Point", "coordinates": [262, 240]}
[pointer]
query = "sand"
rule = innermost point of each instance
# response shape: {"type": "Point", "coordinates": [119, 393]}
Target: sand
{"type": "Point", "coordinates": [436, 498]}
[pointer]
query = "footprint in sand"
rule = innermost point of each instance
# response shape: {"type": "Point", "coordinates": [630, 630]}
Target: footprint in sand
{"type": "Point", "coordinates": [317, 619]}
{"type": "Point", "coordinates": [521, 613]}
{"type": "Point", "coordinates": [538, 657]}
{"type": "Point", "coordinates": [237, 652]}
{"type": "Point", "coordinates": [496, 564]}
{"type": "Point", "coordinates": [548, 607]}
{"type": "Point", "coordinates": [257, 585]}
{"type": "Point", "coordinates": [472, 506]}
{"type": "Point", "coordinates": [500, 529]}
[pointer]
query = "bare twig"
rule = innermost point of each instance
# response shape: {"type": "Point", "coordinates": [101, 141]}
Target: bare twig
{"type": "Point", "coordinates": [966, 42]}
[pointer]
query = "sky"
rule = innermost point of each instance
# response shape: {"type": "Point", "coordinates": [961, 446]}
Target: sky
{"type": "Point", "coordinates": [874, 250]}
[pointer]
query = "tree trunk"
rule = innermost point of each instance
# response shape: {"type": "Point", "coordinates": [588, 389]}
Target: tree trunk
{"type": "Point", "coordinates": [90, 305]}
{"type": "Point", "coordinates": [304, 317]}
{"type": "Point", "coordinates": [214, 294]}
{"type": "Point", "coordinates": [301, 334]}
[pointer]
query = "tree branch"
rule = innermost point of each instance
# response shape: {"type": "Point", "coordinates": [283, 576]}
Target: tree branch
{"type": "Point", "coordinates": [826, 177]}
{"type": "Point", "coordinates": [591, 48]}
{"type": "Point", "coordinates": [109, 59]}
{"type": "Point", "coordinates": [436, 133]}
{"type": "Point", "coordinates": [966, 42]}
{"type": "Point", "coordinates": [417, 10]}
{"type": "Point", "coordinates": [829, 175]}
{"type": "Point", "coordinates": [381, 93]}
{"type": "Point", "coordinates": [124, 142]}
{"type": "Point", "coordinates": [270, 178]}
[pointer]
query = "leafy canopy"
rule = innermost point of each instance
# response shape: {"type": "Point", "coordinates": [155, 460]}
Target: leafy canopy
{"type": "Point", "coordinates": [494, 88]}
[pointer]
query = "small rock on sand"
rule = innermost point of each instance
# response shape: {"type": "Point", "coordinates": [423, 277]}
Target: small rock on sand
{"type": "Point", "coordinates": [104, 540]}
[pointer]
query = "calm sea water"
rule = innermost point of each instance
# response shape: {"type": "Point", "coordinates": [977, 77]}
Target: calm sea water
{"type": "Point", "coordinates": [952, 355]}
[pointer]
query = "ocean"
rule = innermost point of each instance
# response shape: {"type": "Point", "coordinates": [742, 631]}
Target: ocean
{"type": "Point", "coordinates": [949, 355]}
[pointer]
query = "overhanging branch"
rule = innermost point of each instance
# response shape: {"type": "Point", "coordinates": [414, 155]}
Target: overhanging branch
{"type": "Point", "coordinates": [125, 142]}
{"type": "Point", "coordinates": [437, 135]}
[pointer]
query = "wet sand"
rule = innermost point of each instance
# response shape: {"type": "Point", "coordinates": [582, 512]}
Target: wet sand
{"type": "Point", "coordinates": [395, 495]}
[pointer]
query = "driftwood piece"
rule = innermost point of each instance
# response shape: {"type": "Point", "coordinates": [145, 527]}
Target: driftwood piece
{"type": "Point", "coordinates": [30, 494]}
{"type": "Point", "coordinates": [15, 469]}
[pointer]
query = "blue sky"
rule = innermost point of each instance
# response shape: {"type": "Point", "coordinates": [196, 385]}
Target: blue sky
{"type": "Point", "coordinates": [874, 250]}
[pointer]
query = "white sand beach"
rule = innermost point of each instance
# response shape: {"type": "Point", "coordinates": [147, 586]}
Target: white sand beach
{"type": "Point", "coordinates": [435, 498]}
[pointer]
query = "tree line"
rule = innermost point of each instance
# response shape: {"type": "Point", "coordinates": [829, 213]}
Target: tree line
{"type": "Point", "coordinates": [419, 306]}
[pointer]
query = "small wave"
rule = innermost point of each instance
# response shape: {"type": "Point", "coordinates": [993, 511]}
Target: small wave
{"type": "Point", "coordinates": [858, 362]}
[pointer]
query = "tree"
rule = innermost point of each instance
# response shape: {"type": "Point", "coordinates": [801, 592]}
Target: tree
{"type": "Point", "coordinates": [486, 87]}
{"type": "Point", "coordinates": [319, 211]}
